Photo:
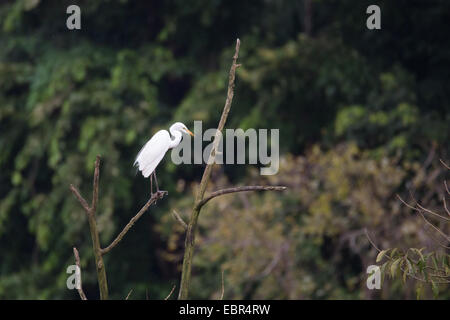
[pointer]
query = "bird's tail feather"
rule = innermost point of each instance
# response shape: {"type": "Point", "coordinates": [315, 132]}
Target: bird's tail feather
{"type": "Point", "coordinates": [136, 166]}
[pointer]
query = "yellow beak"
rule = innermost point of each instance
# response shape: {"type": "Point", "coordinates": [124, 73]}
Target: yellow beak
{"type": "Point", "coordinates": [188, 131]}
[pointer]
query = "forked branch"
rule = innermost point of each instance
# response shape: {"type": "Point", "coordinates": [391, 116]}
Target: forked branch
{"type": "Point", "coordinates": [200, 200]}
{"type": "Point", "coordinates": [239, 189]}
{"type": "Point", "coordinates": [91, 211]}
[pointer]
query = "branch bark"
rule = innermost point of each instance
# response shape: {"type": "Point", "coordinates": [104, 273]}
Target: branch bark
{"type": "Point", "coordinates": [170, 293]}
{"type": "Point", "coordinates": [239, 189]}
{"type": "Point", "coordinates": [77, 262]}
{"type": "Point", "coordinates": [192, 226]}
{"type": "Point", "coordinates": [200, 200]}
{"type": "Point", "coordinates": [153, 199]}
{"type": "Point", "coordinates": [179, 219]}
{"type": "Point", "coordinates": [90, 212]}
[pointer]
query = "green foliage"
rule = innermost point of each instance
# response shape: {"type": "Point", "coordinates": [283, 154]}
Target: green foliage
{"type": "Point", "coordinates": [309, 241]}
{"type": "Point", "coordinates": [432, 268]}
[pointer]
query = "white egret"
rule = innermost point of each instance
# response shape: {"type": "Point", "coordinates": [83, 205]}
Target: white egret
{"type": "Point", "coordinates": [154, 150]}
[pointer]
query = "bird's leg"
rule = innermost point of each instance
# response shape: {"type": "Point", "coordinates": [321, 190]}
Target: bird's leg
{"type": "Point", "coordinates": [156, 181]}
{"type": "Point", "coordinates": [151, 185]}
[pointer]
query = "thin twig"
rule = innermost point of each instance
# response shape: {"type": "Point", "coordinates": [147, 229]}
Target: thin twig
{"type": "Point", "coordinates": [445, 205]}
{"type": "Point", "coordinates": [77, 262]}
{"type": "Point", "coordinates": [156, 196]}
{"type": "Point", "coordinates": [370, 240]}
{"type": "Point", "coordinates": [239, 189]}
{"type": "Point", "coordinates": [128, 295]}
{"type": "Point", "coordinates": [433, 213]}
{"type": "Point", "coordinates": [179, 219]}
{"type": "Point", "coordinates": [435, 228]}
{"type": "Point", "coordinates": [446, 188]}
{"type": "Point", "coordinates": [436, 240]}
{"type": "Point", "coordinates": [421, 208]}
{"type": "Point", "coordinates": [444, 164]}
{"type": "Point", "coordinates": [171, 291]}
{"type": "Point", "coordinates": [223, 286]}
{"type": "Point", "coordinates": [80, 198]}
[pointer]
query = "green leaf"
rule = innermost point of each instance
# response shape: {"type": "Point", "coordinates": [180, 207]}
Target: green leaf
{"type": "Point", "coordinates": [395, 266]}
{"type": "Point", "coordinates": [405, 273]}
{"type": "Point", "coordinates": [419, 253]}
{"type": "Point", "coordinates": [381, 255]}
{"type": "Point", "coordinates": [435, 289]}
{"type": "Point", "coordinates": [383, 270]}
{"type": "Point", "coordinates": [435, 263]}
{"type": "Point", "coordinates": [419, 290]}
{"type": "Point", "coordinates": [393, 252]}
{"type": "Point", "coordinates": [410, 266]}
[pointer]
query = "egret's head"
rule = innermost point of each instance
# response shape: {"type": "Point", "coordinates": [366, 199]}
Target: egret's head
{"type": "Point", "coordinates": [178, 126]}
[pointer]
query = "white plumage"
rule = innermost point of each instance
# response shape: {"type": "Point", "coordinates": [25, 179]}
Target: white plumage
{"type": "Point", "coordinates": [154, 150]}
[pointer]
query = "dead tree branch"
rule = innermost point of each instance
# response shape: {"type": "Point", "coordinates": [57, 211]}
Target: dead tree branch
{"type": "Point", "coordinates": [223, 286]}
{"type": "Point", "coordinates": [200, 200]}
{"type": "Point", "coordinates": [171, 291]}
{"type": "Point", "coordinates": [129, 294]}
{"type": "Point", "coordinates": [179, 219]}
{"type": "Point", "coordinates": [156, 196]}
{"type": "Point", "coordinates": [239, 189]}
{"type": "Point", "coordinates": [77, 262]}
{"type": "Point", "coordinates": [192, 227]}
{"type": "Point", "coordinates": [90, 211]}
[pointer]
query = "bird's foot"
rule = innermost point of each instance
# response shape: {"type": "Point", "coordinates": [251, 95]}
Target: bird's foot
{"type": "Point", "coordinates": [162, 192]}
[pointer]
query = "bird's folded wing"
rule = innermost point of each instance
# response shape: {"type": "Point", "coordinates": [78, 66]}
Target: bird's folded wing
{"type": "Point", "coordinates": [153, 152]}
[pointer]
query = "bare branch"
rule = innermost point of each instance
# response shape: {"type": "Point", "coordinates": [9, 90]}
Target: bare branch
{"type": "Point", "coordinates": [433, 213]}
{"type": "Point", "coordinates": [223, 287]}
{"type": "Point", "coordinates": [90, 211]}
{"type": "Point", "coordinates": [444, 164]}
{"type": "Point", "coordinates": [407, 204]}
{"type": "Point", "coordinates": [445, 205]}
{"type": "Point", "coordinates": [179, 219]}
{"type": "Point", "coordinates": [223, 119]}
{"type": "Point", "coordinates": [200, 200]}
{"type": "Point", "coordinates": [77, 262]}
{"type": "Point", "coordinates": [192, 227]}
{"type": "Point", "coordinates": [95, 184]}
{"type": "Point", "coordinates": [436, 240]}
{"type": "Point", "coordinates": [153, 199]}
{"type": "Point", "coordinates": [370, 240]}
{"type": "Point", "coordinates": [128, 295]}
{"type": "Point", "coordinates": [435, 228]}
{"type": "Point", "coordinates": [239, 189]}
{"type": "Point", "coordinates": [421, 208]}
{"type": "Point", "coordinates": [171, 291]}
{"type": "Point", "coordinates": [80, 198]}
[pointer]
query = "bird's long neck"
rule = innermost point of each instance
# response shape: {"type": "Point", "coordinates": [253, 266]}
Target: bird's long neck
{"type": "Point", "coordinates": [176, 138]}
